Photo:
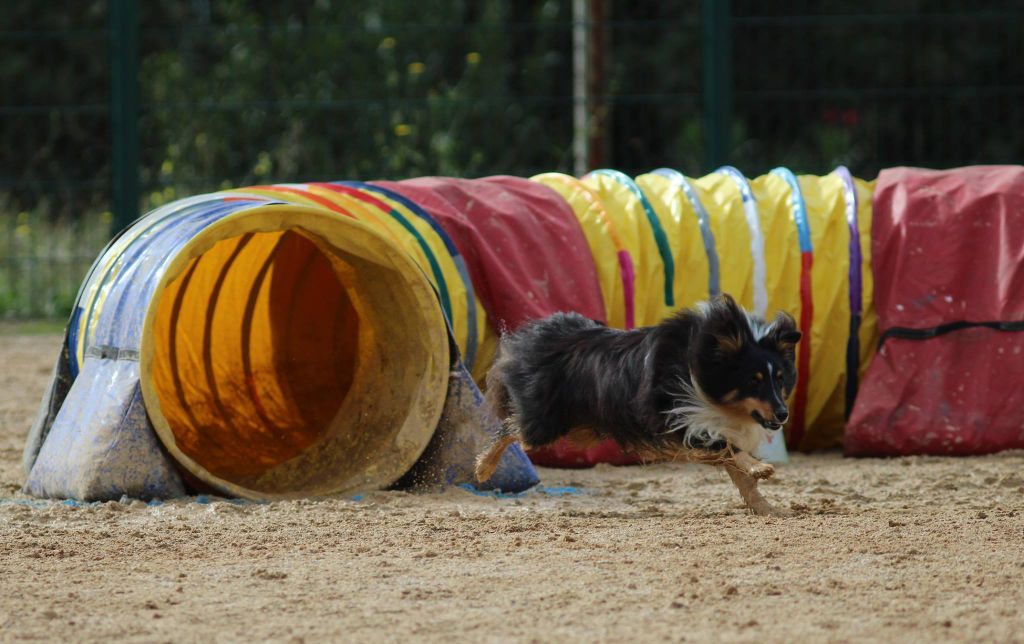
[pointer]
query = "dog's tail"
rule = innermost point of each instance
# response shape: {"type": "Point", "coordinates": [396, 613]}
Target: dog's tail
{"type": "Point", "coordinates": [497, 404]}
{"type": "Point", "coordinates": [487, 461]}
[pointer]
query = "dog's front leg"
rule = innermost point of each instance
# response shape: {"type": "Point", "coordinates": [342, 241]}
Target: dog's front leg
{"type": "Point", "coordinates": [747, 485]}
{"type": "Point", "coordinates": [752, 466]}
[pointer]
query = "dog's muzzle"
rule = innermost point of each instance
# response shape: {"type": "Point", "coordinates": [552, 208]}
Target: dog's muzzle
{"type": "Point", "coordinates": [771, 425]}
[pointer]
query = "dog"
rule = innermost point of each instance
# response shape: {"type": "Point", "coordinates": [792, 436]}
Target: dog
{"type": "Point", "coordinates": [707, 384]}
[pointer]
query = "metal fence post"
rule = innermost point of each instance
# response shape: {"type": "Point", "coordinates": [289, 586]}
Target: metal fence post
{"type": "Point", "coordinates": [716, 46]}
{"type": "Point", "coordinates": [124, 110]}
{"type": "Point", "coordinates": [580, 106]}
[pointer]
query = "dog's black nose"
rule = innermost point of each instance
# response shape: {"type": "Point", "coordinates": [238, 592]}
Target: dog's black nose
{"type": "Point", "coordinates": [781, 414]}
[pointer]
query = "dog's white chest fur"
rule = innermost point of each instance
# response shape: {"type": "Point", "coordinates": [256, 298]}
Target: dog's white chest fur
{"type": "Point", "coordinates": [701, 422]}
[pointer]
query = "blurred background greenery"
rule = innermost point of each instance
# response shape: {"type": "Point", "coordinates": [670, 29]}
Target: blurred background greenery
{"type": "Point", "coordinates": [236, 92]}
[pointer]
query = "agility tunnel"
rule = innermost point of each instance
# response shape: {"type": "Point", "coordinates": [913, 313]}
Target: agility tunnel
{"type": "Point", "coordinates": [949, 276]}
{"type": "Point", "coordinates": [311, 339]}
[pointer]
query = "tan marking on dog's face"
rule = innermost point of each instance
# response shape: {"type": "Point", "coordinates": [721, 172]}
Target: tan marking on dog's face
{"type": "Point", "coordinates": [744, 407]}
{"type": "Point", "coordinates": [759, 375]}
{"type": "Point", "coordinates": [731, 396]}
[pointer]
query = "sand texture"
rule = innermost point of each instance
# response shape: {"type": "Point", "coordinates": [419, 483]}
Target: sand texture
{"type": "Point", "coordinates": [911, 549]}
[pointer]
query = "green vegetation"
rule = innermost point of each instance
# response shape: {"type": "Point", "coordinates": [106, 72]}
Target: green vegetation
{"type": "Point", "coordinates": [238, 92]}
{"type": "Point", "coordinates": [44, 259]}
{"type": "Point", "coordinates": [31, 327]}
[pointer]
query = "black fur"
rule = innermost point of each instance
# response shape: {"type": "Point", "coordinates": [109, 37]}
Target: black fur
{"type": "Point", "coordinates": [566, 372]}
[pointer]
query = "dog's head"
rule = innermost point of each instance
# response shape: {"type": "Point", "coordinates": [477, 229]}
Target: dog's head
{"type": "Point", "coordinates": [746, 365]}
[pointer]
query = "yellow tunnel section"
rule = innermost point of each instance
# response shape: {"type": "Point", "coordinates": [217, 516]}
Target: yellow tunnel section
{"type": "Point", "coordinates": [681, 223]}
{"type": "Point", "coordinates": [420, 241]}
{"type": "Point", "coordinates": [292, 352]}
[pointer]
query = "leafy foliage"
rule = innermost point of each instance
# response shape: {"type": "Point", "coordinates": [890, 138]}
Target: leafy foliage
{"type": "Point", "coordinates": [235, 92]}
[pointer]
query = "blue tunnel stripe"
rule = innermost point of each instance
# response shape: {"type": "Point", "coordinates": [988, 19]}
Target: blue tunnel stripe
{"type": "Point", "coordinates": [707, 236]}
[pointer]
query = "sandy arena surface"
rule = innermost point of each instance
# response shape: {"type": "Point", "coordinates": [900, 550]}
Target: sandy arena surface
{"type": "Point", "coordinates": [906, 549]}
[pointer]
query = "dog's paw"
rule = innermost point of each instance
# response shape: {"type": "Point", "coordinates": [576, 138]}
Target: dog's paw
{"type": "Point", "coordinates": [761, 470]}
{"type": "Point", "coordinates": [769, 510]}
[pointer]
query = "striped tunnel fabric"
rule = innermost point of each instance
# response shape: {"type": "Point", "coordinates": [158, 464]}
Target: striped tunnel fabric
{"type": "Point", "coordinates": [756, 238]}
{"type": "Point", "coordinates": [630, 227]}
{"type": "Point", "coordinates": [397, 203]}
{"type": "Point", "coordinates": [611, 255]}
{"type": "Point", "coordinates": [708, 237]}
{"type": "Point", "coordinates": [856, 290]}
{"type": "Point", "coordinates": [799, 216]}
{"type": "Point", "coordinates": [286, 309]}
{"type": "Point", "coordinates": [658, 232]}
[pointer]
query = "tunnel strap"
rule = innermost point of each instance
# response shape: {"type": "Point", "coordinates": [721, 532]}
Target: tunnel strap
{"type": "Point", "coordinates": [798, 208]}
{"type": "Point", "coordinates": [704, 221]}
{"type": "Point", "coordinates": [855, 288]}
{"type": "Point", "coordinates": [907, 333]}
{"type": "Point", "coordinates": [660, 239]}
{"type": "Point", "coordinates": [106, 352]}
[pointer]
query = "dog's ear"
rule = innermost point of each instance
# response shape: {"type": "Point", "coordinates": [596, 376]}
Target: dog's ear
{"type": "Point", "coordinates": [783, 334]}
{"type": "Point", "coordinates": [726, 328]}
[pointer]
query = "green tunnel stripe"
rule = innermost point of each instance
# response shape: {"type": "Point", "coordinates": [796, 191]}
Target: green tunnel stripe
{"type": "Point", "coordinates": [435, 267]}
{"type": "Point", "coordinates": [664, 249]}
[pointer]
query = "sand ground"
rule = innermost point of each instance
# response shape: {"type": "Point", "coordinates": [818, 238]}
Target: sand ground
{"type": "Point", "coordinates": [905, 549]}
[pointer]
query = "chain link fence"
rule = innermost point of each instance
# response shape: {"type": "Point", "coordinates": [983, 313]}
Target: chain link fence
{"type": "Point", "coordinates": [110, 107]}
